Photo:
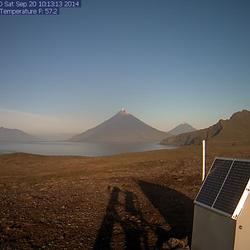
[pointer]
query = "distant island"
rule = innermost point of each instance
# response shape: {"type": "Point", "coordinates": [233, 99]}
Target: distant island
{"type": "Point", "coordinates": [15, 135]}
{"type": "Point", "coordinates": [182, 128]}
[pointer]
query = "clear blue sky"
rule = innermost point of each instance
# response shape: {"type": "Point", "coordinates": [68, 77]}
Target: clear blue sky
{"type": "Point", "coordinates": [165, 61]}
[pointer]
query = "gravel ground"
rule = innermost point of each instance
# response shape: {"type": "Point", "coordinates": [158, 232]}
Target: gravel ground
{"type": "Point", "coordinates": [129, 201]}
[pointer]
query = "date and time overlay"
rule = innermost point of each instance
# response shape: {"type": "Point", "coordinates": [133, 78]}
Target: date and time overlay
{"type": "Point", "coordinates": [36, 7]}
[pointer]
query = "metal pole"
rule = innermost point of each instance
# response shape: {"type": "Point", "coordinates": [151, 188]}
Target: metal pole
{"type": "Point", "coordinates": [203, 160]}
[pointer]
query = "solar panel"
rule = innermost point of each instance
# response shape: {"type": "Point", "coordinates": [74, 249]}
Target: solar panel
{"type": "Point", "coordinates": [225, 185]}
{"type": "Point", "coordinates": [233, 187]}
{"type": "Point", "coordinates": [214, 181]}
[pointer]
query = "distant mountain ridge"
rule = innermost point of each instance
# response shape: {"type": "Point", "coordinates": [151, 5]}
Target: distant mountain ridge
{"type": "Point", "coordinates": [121, 128]}
{"type": "Point", "coordinates": [234, 130]}
{"type": "Point", "coordinates": [15, 135]}
{"type": "Point", "coordinates": [182, 128]}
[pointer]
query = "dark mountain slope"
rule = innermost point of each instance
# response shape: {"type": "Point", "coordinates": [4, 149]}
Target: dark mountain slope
{"type": "Point", "coordinates": [234, 130]}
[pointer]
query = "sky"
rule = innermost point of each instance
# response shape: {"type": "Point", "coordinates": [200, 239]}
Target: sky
{"type": "Point", "coordinates": [165, 61]}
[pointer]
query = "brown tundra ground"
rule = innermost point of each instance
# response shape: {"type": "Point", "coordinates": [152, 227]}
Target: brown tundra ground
{"type": "Point", "coordinates": [128, 201]}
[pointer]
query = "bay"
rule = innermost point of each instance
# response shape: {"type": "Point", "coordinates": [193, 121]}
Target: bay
{"type": "Point", "coordinates": [77, 148]}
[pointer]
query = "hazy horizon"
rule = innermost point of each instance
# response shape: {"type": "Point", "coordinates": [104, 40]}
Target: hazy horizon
{"type": "Point", "coordinates": [59, 133]}
{"type": "Point", "coordinates": [37, 122]}
{"type": "Point", "coordinates": [166, 62]}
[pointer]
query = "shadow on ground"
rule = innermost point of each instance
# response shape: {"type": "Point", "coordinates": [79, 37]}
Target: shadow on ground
{"type": "Point", "coordinates": [176, 208]}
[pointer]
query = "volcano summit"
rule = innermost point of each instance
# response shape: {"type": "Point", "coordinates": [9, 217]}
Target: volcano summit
{"type": "Point", "coordinates": [121, 128]}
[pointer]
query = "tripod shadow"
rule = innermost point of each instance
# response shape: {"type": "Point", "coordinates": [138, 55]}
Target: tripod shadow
{"type": "Point", "coordinates": [134, 226]}
{"type": "Point", "coordinates": [175, 207]}
{"type": "Point", "coordinates": [105, 232]}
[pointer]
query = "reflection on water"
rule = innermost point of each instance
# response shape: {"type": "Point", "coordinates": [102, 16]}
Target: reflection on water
{"type": "Point", "coordinates": [77, 148]}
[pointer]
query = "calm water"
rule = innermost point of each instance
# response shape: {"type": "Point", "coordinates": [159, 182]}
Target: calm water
{"type": "Point", "coordinates": [77, 148]}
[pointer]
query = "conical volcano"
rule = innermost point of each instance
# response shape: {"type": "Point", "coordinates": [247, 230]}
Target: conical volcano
{"type": "Point", "coordinates": [121, 128]}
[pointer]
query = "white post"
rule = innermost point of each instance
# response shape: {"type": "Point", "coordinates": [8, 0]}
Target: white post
{"type": "Point", "coordinates": [203, 160]}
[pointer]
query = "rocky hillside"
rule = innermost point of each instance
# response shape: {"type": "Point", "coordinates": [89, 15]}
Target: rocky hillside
{"type": "Point", "coordinates": [234, 130]}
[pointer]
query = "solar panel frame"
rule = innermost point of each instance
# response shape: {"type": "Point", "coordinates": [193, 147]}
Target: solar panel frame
{"type": "Point", "coordinates": [214, 181]}
{"type": "Point", "coordinates": [225, 212]}
{"type": "Point", "coordinates": [238, 177]}
{"type": "Point", "coordinates": [195, 199]}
